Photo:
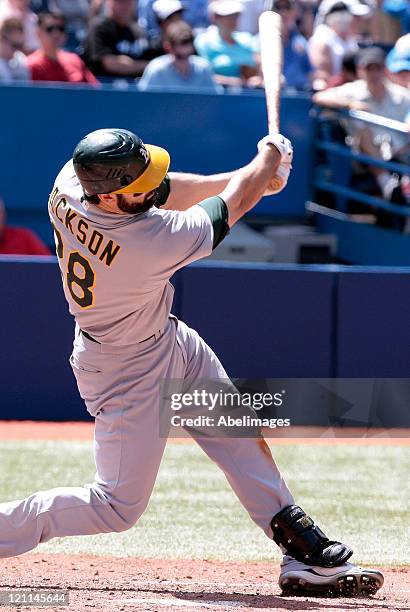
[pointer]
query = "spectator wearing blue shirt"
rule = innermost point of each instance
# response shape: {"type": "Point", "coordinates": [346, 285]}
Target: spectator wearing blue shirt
{"type": "Point", "coordinates": [180, 69]}
{"type": "Point", "coordinates": [297, 69]}
{"type": "Point", "coordinates": [230, 53]}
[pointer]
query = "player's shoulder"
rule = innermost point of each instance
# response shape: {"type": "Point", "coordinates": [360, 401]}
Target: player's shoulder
{"type": "Point", "coordinates": [66, 172]}
{"type": "Point", "coordinates": [67, 181]}
{"type": "Point", "coordinates": [179, 219]}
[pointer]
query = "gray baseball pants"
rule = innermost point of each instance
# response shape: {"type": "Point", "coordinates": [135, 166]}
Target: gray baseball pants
{"type": "Point", "coordinates": [120, 389]}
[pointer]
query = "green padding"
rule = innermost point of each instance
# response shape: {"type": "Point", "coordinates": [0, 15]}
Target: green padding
{"type": "Point", "coordinates": [217, 211]}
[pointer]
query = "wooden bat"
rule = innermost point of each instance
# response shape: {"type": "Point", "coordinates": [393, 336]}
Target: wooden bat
{"type": "Point", "coordinates": [270, 32]}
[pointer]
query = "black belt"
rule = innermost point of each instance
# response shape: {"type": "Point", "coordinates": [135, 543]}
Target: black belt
{"type": "Point", "coordinates": [96, 341]}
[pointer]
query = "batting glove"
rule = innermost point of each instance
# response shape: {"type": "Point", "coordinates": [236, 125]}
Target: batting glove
{"type": "Point", "coordinates": [280, 179]}
{"type": "Point", "coordinates": [282, 144]}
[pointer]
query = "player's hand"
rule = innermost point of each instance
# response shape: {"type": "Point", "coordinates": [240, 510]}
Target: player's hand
{"type": "Point", "coordinates": [282, 144]}
{"type": "Point", "coordinates": [280, 179]}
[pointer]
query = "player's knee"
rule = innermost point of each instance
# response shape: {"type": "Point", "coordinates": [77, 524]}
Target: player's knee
{"type": "Point", "coordinates": [123, 518]}
{"type": "Point", "coordinates": [121, 515]}
{"type": "Point", "coordinates": [115, 514]}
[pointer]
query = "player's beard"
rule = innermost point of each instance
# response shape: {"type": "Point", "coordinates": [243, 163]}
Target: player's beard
{"type": "Point", "coordinates": [134, 208]}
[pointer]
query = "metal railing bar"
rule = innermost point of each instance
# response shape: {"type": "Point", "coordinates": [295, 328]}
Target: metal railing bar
{"type": "Point", "coordinates": [403, 211]}
{"type": "Point", "coordinates": [338, 149]}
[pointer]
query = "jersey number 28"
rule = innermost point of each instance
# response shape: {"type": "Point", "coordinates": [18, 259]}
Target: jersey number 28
{"type": "Point", "coordinates": [80, 276]}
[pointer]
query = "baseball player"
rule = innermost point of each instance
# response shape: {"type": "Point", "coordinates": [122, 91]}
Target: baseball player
{"type": "Point", "coordinates": [123, 225]}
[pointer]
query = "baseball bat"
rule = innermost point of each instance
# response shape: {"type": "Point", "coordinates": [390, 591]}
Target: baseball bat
{"type": "Point", "coordinates": [270, 33]}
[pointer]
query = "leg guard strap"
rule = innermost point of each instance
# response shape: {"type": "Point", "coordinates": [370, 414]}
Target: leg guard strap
{"type": "Point", "coordinates": [296, 533]}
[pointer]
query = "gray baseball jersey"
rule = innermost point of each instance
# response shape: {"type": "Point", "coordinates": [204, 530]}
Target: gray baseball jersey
{"type": "Point", "coordinates": [116, 271]}
{"type": "Point", "coordinates": [116, 268]}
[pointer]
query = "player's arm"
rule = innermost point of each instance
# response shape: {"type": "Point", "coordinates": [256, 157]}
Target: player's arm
{"type": "Point", "coordinates": [187, 189]}
{"type": "Point", "coordinates": [182, 191]}
{"type": "Point", "coordinates": [249, 184]}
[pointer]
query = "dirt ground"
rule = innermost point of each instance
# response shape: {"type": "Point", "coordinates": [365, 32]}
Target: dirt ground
{"type": "Point", "coordinates": [155, 585]}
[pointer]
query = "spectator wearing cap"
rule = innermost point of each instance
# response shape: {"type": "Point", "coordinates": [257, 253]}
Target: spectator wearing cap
{"type": "Point", "coordinates": [51, 62]}
{"type": "Point", "coordinates": [18, 240]}
{"type": "Point", "coordinates": [116, 46]}
{"type": "Point", "coordinates": [19, 9]}
{"type": "Point", "coordinates": [180, 69]}
{"type": "Point", "coordinates": [195, 12]}
{"type": "Point", "coordinates": [13, 63]}
{"type": "Point", "coordinates": [230, 53]}
{"type": "Point", "coordinates": [373, 92]}
{"type": "Point", "coordinates": [398, 62]}
{"type": "Point", "coordinates": [166, 13]}
{"type": "Point", "coordinates": [331, 40]}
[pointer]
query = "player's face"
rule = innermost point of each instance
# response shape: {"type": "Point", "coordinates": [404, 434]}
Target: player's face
{"type": "Point", "coordinates": [134, 203]}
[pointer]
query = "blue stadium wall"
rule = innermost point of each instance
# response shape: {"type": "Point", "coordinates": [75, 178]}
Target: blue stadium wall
{"type": "Point", "coordinates": [40, 126]}
{"type": "Point", "coordinates": [262, 321]}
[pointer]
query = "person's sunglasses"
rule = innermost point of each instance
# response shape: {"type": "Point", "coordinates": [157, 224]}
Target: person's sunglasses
{"type": "Point", "coordinates": [55, 28]}
{"type": "Point", "coordinates": [185, 41]}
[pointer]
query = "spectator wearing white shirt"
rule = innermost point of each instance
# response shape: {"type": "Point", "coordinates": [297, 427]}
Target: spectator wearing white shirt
{"type": "Point", "coordinates": [13, 64]}
{"type": "Point", "coordinates": [374, 93]}
{"type": "Point", "coordinates": [19, 9]}
{"type": "Point", "coordinates": [330, 42]}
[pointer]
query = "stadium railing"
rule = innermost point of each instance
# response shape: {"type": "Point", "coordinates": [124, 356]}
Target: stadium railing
{"type": "Point", "coordinates": [332, 192]}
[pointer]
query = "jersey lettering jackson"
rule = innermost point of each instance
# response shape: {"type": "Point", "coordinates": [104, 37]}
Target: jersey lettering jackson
{"type": "Point", "coordinates": [116, 267]}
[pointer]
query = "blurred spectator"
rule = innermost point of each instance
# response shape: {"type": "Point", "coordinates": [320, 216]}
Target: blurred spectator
{"type": "Point", "coordinates": [357, 8]}
{"type": "Point", "coordinates": [398, 62]}
{"type": "Point", "coordinates": [18, 240]}
{"type": "Point", "coordinates": [230, 53]}
{"type": "Point", "coordinates": [399, 9]}
{"type": "Point", "coordinates": [50, 62]}
{"type": "Point", "coordinates": [306, 15]}
{"type": "Point", "coordinates": [116, 45]}
{"type": "Point", "coordinates": [76, 13]}
{"type": "Point", "coordinates": [180, 69]}
{"type": "Point", "coordinates": [296, 65]}
{"type": "Point", "coordinates": [38, 6]}
{"type": "Point", "coordinates": [375, 93]}
{"type": "Point", "coordinates": [166, 13]}
{"type": "Point", "coordinates": [249, 17]}
{"type": "Point", "coordinates": [331, 40]}
{"type": "Point", "coordinates": [195, 13]}
{"type": "Point", "coordinates": [348, 72]}
{"type": "Point", "coordinates": [19, 9]}
{"type": "Point", "coordinates": [13, 63]}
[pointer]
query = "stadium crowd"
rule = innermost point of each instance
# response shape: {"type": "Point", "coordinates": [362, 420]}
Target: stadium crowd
{"type": "Point", "coordinates": [352, 54]}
